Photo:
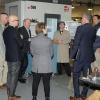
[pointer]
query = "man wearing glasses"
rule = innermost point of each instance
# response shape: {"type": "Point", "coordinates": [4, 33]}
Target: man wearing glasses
{"type": "Point", "coordinates": [12, 44]}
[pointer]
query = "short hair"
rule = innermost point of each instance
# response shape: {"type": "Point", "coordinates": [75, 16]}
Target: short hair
{"type": "Point", "coordinates": [61, 22]}
{"type": "Point", "coordinates": [98, 16]}
{"type": "Point", "coordinates": [88, 16]}
{"type": "Point", "coordinates": [39, 27]}
{"type": "Point", "coordinates": [3, 14]}
{"type": "Point", "coordinates": [26, 19]}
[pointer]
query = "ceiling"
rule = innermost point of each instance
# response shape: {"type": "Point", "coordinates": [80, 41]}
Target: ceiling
{"type": "Point", "coordinates": [85, 6]}
{"type": "Point", "coordinates": [80, 6]}
{"type": "Point", "coordinates": [86, 2]}
{"type": "Point", "coordinates": [96, 1]}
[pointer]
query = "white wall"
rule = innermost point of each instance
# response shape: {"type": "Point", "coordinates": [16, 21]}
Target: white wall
{"type": "Point", "coordinates": [38, 13]}
{"type": "Point", "coordinates": [42, 8]}
{"type": "Point", "coordinates": [16, 3]}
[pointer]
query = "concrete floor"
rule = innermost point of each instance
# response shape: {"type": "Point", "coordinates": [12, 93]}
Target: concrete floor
{"type": "Point", "coordinates": [61, 89]}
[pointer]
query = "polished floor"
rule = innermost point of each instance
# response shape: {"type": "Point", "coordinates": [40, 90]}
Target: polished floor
{"type": "Point", "coordinates": [61, 89]}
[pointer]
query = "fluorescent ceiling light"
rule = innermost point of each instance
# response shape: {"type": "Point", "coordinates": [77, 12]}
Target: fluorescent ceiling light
{"type": "Point", "coordinates": [90, 9]}
{"type": "Point", "coordinates": [73, 7]}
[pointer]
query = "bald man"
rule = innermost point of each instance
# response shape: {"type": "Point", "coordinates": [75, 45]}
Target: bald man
{"type": "Point", "coordinates": [12, 44]}
{"type": "Point", "coordinates": [3, 64]}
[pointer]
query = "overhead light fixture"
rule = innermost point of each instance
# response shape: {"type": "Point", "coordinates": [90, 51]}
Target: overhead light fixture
{"type": "Point", "coordinates": [76, 19]}
{"type": "Point", "coordinates": [90, 9]}
{"type": "Point", "coordinates": [73, 7]}
{"type": "Point", "coordinates": [90, 6]}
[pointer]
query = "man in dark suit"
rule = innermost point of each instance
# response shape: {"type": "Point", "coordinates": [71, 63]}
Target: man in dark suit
{"type": "Point", "coordinates": [25, 35]}
{"type": "Point", "coordinates": [83, 54]}
{"type": "Point", "coordinates": [96, 22]}
{"type": "Point", "coordinates": [12, 45]}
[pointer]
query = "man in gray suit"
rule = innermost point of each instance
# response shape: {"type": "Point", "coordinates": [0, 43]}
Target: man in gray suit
{"type": "Point", "coordinates": [3, 64]}
{"type": "Point", "coordinates": [41, 49]}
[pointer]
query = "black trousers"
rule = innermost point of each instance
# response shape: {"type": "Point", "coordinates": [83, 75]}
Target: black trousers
{"type": "Point", "coordinates": [65, 66]}
{"type": "Point", "coordinates": [46, 82]}
{"type": "Point", "coordinates": [24, 64]}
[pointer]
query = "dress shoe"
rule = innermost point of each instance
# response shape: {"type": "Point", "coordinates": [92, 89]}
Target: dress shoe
{"type": "Point", "coordinates": [74, 98]}
{"type": "Point", "coordinates": [47, 98]}
{"type": "Point", "coordinates": [69, 75]}
{"type": "Point", "coordinates": [83, 97]}
{"type": "Point", "coordinates": [22, 80]}
{"type": "Point", "coordinates": [18, 97]}
{"type": "Point", "coordinates": [14, 97]}
{"type": "Point", "coordinates": [34, 98]}
{"type": "Point", "coordinates": [3, 86]}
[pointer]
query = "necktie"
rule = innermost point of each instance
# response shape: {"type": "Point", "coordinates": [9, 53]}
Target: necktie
{"type": "Point", "coordinates": [61, 32]}
{"type": "Point", "coordinates": [29, 33]}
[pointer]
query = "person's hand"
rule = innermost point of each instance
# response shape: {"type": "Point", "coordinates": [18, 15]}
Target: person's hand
{"type": "Point", "coordinates": [71, 61]}
{"type": "Point", "coordinates": [98, 50]}
{"type": "Point", "coordinates": [45, 30]}
{"type": "Point", "coordinates": [60, 41]}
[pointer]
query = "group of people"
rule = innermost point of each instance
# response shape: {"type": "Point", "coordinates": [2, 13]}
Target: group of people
{"type": "Point", "coordinates": [14, 47]}
{"type": "Point", "coordinates": [16, 43]}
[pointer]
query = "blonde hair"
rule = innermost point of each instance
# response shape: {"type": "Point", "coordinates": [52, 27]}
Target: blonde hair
{"type": "Point", "coordinates": [12, 18]}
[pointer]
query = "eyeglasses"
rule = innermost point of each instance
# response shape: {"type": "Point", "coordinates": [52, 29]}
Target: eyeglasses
{"type": "Point", "coordinates": [15, 20]}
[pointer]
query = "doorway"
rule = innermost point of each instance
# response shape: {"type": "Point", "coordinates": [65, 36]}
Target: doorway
{"type": "Point", "coordinates": [52, 25]}
{"type": "Point", "coordinates": [13, 10]}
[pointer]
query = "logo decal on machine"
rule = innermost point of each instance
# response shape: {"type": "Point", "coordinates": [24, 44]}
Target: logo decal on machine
{"type": "Point", "coordinates": [31, 7]}
{"type": "Point", "coordinates": [66, 8]}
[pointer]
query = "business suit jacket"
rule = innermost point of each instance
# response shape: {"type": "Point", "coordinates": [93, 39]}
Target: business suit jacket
{"type": "Point", "coordinates": [41, 49]}
{"type": "Point", "coordinates": [97, 26]}
{"type": "Point", "coordinates": [97, 40]}
{"type": "Point", "coordinates": [12, 44]}
{"type": "Point", "coordinates": [83, 51]}
{"type": "Point", "coordinates": [25, 38]}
